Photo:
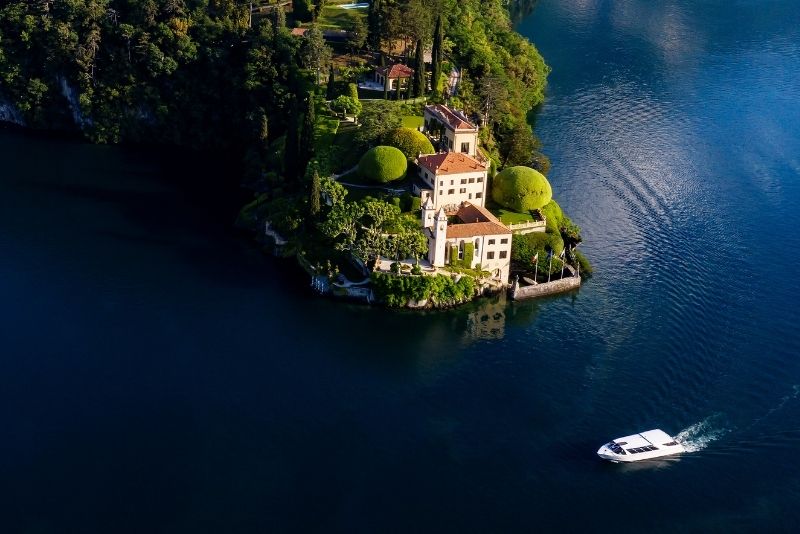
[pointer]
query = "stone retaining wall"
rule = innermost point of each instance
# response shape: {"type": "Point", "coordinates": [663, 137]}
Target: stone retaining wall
{"type": "Point", "coordinates": [518, 292]}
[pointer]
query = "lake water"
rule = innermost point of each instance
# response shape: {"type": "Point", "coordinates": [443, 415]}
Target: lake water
{"type": "Point", "coordinates": [158, 373]}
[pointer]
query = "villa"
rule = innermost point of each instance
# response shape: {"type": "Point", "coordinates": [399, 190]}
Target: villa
{"type": "Point", "coordinates": [452, 186]}
{"type": "Point", "coordinates": [451, 128]}
{"type": "Point", "coordinates": [475, 237]}
{"type": "Point", "coordinates": [396, 74]}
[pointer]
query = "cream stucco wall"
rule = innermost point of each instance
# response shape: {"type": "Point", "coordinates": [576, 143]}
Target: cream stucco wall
{"type": "Point", "coordinates": [453, 189]}
{"type": "Point", "coordinates": [498, 246]}
{"type": "Point", "coordinates": [455, 139]}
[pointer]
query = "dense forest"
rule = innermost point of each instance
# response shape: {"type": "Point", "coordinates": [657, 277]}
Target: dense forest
{"type": "Point", "coordinates": [211, 73]}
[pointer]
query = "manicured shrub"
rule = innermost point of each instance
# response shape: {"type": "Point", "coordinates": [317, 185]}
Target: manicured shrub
{"type": "Point", "coordinates": [416, 204]}
{"type": "Point", "coordinates": [352, 91]}
{"type": "Point", "coordinates": [405, 202]}
{"type": "Point", "coordinates": [521, 189]}
{"type": "Point", "coordinates": [383, 164]}
{"type": "Point", "coordinates": [469, 253]}
{"type": "Point", "coordinates": [453, 255]}
{"type": "Point", "coordinates": [395, 201]}
{"type": "Point", "coordinates": [411, 142]}
{"type": "Point", "coordinates": [552, 211]}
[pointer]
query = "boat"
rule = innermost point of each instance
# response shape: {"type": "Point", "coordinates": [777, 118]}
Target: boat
{"type": "Point", "coordinates": [642, 446]}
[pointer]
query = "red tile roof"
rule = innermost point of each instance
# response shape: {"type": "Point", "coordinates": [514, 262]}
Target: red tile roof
{"type": "Point", "coordinates": [299, 31]}
{"type": "Point", "coordinates": [483, 222]}
{"type": "Point", "coordinates": [450, 163]}
{"type": "Point", "coordinates": [398, 70]}
{"type": "Point", "coordinates": [473, 229]}
{"type": "Point", "coordinates": [450, 117]}
{"type": "Point", "coordinates": [469, 213]}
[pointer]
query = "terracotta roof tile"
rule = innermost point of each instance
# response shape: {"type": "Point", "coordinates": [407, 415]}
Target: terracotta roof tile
{"type": "Point", "coordinates": [452, 118]}
{"type": "Point", "coordinates": [470, 213]}
{"type": "Point", "coordinates": [450, 163]}
{"type": "Point", "coordinates": [398, 70]}
{"type": "Point", "coordinates": [473, 229]}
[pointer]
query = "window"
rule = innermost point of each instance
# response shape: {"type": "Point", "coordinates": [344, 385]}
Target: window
{"type": "Point", "coordinates": [450, 144]}
{"type": "Point", "coordinates": [503, 254]}
{"type": "Point", "coordinates": [491, 241]}
{"type": "Point", "coordinates": [479, 195]}
{"type": "Point", "coordinates": [463, 181]}
{"type": "Point", "coordinates": [472, 180]}
{"type": "Point", "coordinates": [504, 241]}
{"type": "Point", "coordinates": [465, 147]}
{"type": "Point", "coordinates": [451, 191]}
{"type": "Point", "coordinates": [470, 196]}
{"type": "Point", "coordinates": [462, 190]}
{"type": "Point", "coordinates": [426, 175]}
{"type": "Point", "coordinates": [451, 182]}
{"type": "Point", "coordinates": [461, 251]}
{"type": "Point", "coordinates": [490, 255]}
{"type": "Point", "coordinates": [441, 182]}
{"type": "Point", "coordinates": [480, 179]}
{"type": "Point", "coordinates": [441, 192]}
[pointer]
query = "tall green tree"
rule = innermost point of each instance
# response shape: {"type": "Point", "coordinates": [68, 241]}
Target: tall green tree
{"type": "Point", "coordinates": [436, 56]}
{"type": "Point", "coordinates": [375, 25]}
{"type": "Point", "coordinates": [357, 36]}
{"type": "Point", "coordinates": [307, 133]}
{"type": "Point", "coordinates": [315, 194]}
{"type": "Point", "coordinates": [419, 70]}
{"type": "Point", "coordinates": [330, 93]}
{"type": "Point", "coordinates": [316, 53]}
{"type": "Point", "coordinates": [291, 150]}
{"type": "Point", "coordinates": [280, 17]}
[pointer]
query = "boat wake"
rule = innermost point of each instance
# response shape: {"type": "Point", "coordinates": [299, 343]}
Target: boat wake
{"type": "Point", "coordinates": [699, 435]}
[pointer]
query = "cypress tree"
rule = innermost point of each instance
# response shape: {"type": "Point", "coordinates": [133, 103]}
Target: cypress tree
{"type": "Point", "coordinates": [331, 92]}
{"type": "Point", "coordinates": [307, 134]}
{"type": "Point", "coordinates": [280, 18]}
{"type": "Point", "coordinates": [419, 70]}
{"type": "Point", "coordinates": [386, 87]}
{"type": "Point", "coordinates": [436, 59]}
{"type": "Point", "coordinates": [374, 25]}
{"type": "Point", "coordinates": [291, 154]}
{"type": "Point", "coordinates": [316, 192]}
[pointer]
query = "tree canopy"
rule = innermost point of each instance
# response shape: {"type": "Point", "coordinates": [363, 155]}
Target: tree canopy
{"type": "Point", "coordinates": [521, 189]}
{"type": "Point", "coordinates": [383, 164]}
{"type": "Point", "coordinates": [411, 142]}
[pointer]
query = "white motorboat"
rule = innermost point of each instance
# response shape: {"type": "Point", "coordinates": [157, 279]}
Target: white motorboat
{"type": "Point", "coordinates": [642, 446]}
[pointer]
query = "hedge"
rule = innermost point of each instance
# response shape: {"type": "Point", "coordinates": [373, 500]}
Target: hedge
{"type": "Point", "coordinates": [469, 253]}
{"type": "Point", "coordinates": [383, 164]}
{"type": "Point", "coordinates": [410, 142]}
{"type": "Point", "coordinates": [521, 189]}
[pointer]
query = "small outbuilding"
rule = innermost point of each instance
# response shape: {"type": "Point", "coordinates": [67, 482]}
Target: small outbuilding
{"type": "Point", "coordinates": [396, 74]}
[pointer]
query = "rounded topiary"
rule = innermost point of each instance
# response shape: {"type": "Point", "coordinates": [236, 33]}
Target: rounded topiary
{"type": "Point", "coordinates": [521, 189]}
{"type": "Point", "coordinates": [411, 142]}
{"type": "Point", "coordinates": [383, 164]}
{"type": "Point", "coordinates": [552, 211]}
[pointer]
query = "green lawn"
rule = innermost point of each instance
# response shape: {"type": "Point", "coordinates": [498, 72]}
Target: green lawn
{"type": "Point", "coordinates": [347, 155]}
{"type": "Point", "coordinates": [325, 129]}
{"type": "Point", "coordinates": [510, 217]}
{"type": "Point", "coordinates": [334, 17]}
{"type": "Point", "coordinates": [412, 121]}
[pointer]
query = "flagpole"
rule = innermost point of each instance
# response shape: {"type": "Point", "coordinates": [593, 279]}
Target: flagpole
{"type": "Point", "coordinates": [549, 267]}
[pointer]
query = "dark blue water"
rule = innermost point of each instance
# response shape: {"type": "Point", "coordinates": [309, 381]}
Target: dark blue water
{"type": "Point", "coordinates": [160, 374]}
